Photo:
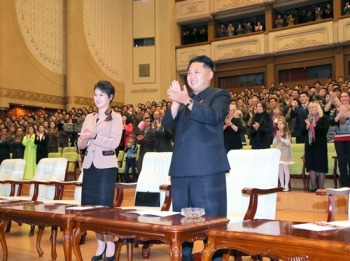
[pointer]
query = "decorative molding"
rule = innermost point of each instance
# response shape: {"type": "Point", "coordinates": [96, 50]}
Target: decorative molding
{"type": "Point", "coordinates": [300, 42]}
{"type": "Point", "coordinates": [267, 46]}
{"type": "Point", "coordinates": [229, 4]}
{"type": "Point", "coordinates": [43, 27]}
{"type": "Point", "coordinates": [103, 27]}
{"type": "Point", "coordinates": [191, 8]}
{"type": "Point", "coordinates": [237, 52]}
{"type": "Point", "coordinates": [32, 96]}
{"type": "Point", "coordinates": [144, 90]}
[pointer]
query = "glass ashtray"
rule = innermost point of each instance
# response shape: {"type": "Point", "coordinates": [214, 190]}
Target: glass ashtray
{"type": "Point", "coordinates": [192, 213]}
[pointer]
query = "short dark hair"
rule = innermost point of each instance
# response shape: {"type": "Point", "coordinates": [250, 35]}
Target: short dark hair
{"type": "Point", "coordinates": [107, 88]}
{"type": "Point", "coordinates": [304, 93]}
{"type": "Point", "coordinates": [207, 62]}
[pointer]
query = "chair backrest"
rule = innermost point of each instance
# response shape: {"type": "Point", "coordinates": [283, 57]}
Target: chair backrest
{"type": "Point", "coordinates": [155, 171]}
{"type": "Point", "coordinates": [297, 152]}
{"type": "Point", "coordinates": [11, 169]}
{"type": "Point", "coordinates": [49, 169]}
{"type": "Point", "coordinates": [69, 149]}
{"type": "Point", "coordinates": [252, 169]}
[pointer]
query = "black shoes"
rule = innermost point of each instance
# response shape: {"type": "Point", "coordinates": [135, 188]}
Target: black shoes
{"type": "Point", "coordinates": [111, 258]}
{"type": "Point", "coordinates": [98, 258]}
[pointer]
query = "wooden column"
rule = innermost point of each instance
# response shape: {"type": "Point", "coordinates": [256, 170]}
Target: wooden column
{"type": "Point", "coordinates": [270, 72]}
{"type": "Point", "coordinates": [338, 7]}
{"type": "Point", "coordinates": [269, 18]}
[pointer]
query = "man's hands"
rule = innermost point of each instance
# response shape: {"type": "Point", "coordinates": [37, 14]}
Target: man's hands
{"type": "Point", "coordinates": [176, 94]}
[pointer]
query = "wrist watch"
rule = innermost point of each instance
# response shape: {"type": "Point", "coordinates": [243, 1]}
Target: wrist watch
{"type": "Point", "coordinates": [189, 103]}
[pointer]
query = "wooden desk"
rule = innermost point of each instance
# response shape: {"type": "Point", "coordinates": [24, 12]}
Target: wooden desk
{"type": "Point", "coordinates": [171, 229]}
{"type": "Point", "coordinates": [278, 239]}
{"type": "Point", "coordinates": [42, 215]}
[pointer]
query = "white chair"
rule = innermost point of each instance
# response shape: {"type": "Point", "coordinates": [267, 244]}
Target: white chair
{"type": "Point", "coordinates": [155, 171]}
{"type": "Point", "coordinates": [48, 169]}
{"type": "Point", "coordinates": [332, 193]}
{"type": "Point", "coordinates": [252, 169]}
{"type": "Point", "coordinates": [11, 169]}
{"type": "Point", "coordinates": [153, 178]}
{"type": "Point", "coordinates": [252, 184]}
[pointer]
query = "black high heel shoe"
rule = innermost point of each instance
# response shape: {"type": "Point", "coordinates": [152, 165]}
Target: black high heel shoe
{"type": "Point", "coordinates": [98, 258]}
{"type": "Point", "coordinates": [110, 258]}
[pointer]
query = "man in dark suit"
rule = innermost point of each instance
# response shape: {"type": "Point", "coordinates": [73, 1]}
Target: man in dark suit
{"type": "Point", "coordinates": [199, 160]}
{"type": "Point", "coordinates": [300, 114]}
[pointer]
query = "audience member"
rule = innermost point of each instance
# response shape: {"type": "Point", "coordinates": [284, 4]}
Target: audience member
{"type": "Point", "coordinates": [261, 128]}
{"type": "Point", "coordinates": [279, 22]}
{"type": "Point", "coordinates": [17, 146]}
{"type": "Point", "coordinates": [130, 160]}
{"type": "Point", "coordinates": [232, 131]}
{"type": "Point", "coordinates": [29, 153]}
{"type": "Point", "coordinates": [230, 30]}
{"type": "Point", "coordinates": [316, 160]}
{"type": "Point", "coordinates": [41, 144]}
{"type": "Point", "coordinates": [147, 141]}
{"type": "Point", "coordinates": [222, 31]}
{"type": "Point", "coordinates": [347, 8]}
{"type": "Point", "coordinates": [52, 135]}
{"type": "Point", "coordinates": [4, 145]}
{"type": "Point", "coordinates": [341, 120]}
{"type": "Point", "coordinates": [282, 140]}
{"type": "Point", "coordinates": [300, 114]}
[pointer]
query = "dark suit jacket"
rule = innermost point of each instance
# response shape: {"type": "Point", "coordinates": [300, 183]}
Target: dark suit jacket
{"type": "Point", "coordinates": [41, 148]}
{"type": "Point", "coordinates": [199, 142]}
{"type": "Point", "coordinates": [300, 114]}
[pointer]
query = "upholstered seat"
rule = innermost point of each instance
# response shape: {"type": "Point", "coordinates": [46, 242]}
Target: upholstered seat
{"type": "Point", "coordinates": [11, 169]}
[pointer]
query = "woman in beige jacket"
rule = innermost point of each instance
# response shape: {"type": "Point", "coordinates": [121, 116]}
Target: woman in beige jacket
{"type": "Point", "coordinates": [100, 136]}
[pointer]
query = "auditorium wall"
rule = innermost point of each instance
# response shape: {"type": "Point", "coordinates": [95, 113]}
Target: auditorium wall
{"type": "Point", "coordinates": [53, 52]}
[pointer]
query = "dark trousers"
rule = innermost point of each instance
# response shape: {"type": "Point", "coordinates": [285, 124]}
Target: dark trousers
{"type": "Point", "coordinates": [208, 192]}
{"type": "Point", "coordinates": [130, 163]}
{"type": "Point", "coordinates": [343, 153]}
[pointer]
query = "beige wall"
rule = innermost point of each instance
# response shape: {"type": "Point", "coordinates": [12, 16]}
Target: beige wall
{"type": "Point", "coordinates": [88, 51]}
{"type": "Point", "coordinates": [23, 79]}
{"type": "Point", "coordinates": [161, 57]}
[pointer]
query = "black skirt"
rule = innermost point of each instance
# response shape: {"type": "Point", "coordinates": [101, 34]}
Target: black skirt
{"type": "Point", "coordinates": [98, 186]}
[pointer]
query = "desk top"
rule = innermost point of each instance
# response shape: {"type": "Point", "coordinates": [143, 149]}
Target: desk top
{"type": "Point", "coordinates": [114, 217]}
{"type": "Point", "coordinates": [52, 209]}
{"type": "Point", "coordinates": [278, 230]}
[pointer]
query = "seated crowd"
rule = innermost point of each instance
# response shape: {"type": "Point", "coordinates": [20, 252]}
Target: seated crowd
{"type": "Point", "coordinates": [253, 113]}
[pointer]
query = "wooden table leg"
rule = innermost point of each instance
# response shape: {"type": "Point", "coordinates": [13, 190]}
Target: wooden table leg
{"type": "Point", "coordinates": [130, 248]}
{"type": "Point", "coordinates": [38, 240]}
{"type": "Point", "coordinates": [53, 242]}
{"type": "Point", "coordinates": [3, 224]}
{"type": "Point", "coordinates": [76, 239]}
{"type": "Point", "coordinates": [175, 248]}
{"type": "Point", "coordinates": [67, 240]}
{"type": "Point", "coordinates": [209, 250]}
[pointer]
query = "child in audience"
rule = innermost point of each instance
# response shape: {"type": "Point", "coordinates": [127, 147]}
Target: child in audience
{"type": "Point", "coordinates": [282, 141]}
{"type": "Point", "coordinates": [130, 150]}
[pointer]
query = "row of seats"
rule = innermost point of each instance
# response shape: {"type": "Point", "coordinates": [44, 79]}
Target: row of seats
{"type": "Point", "coordinates": [298, 170]}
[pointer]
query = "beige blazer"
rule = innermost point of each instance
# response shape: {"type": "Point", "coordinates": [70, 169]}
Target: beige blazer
{"type": "Point", "coordinates": [100, 151]}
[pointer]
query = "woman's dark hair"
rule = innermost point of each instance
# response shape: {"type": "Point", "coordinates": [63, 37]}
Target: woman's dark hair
{"type": "Point", "coordinates": [107, 88]}
{"type": "Point", "coordinates": [128, 120]}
